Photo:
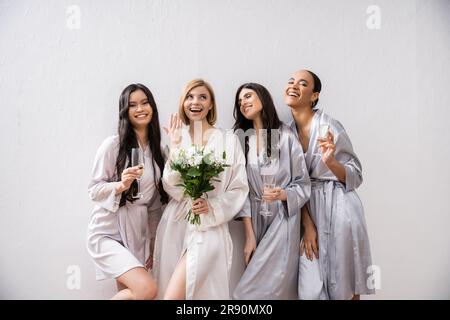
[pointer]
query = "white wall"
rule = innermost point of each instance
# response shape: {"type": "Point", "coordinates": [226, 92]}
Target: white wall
{"type": "Point", "coordinates": [59, 90]}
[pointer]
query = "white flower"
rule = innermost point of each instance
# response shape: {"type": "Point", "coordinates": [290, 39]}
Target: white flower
{"type": "Point", "coordinates": [195, 160]}
{"type": "Point", "coordinates": [194, 155]}
{"type": "Point", "coordinates": [207, 150]}
{"type": "Point", "coordinates": [190, 152]}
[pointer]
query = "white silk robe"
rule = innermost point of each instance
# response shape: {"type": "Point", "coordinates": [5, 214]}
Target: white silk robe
{"type": "Point", "coordinates": [208, 247]}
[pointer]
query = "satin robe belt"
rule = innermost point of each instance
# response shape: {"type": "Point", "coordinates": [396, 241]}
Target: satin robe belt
{"type": "Point", "coordinates": [255, 203]}
{"type": "Point", "coordinates": [132, 205]}
{"type": "Point", "coordinates": [326, 226]}
{"type": "Point", "coordinates": [181, 214]}
{"type": "Point", "coordinates": [135, 229]}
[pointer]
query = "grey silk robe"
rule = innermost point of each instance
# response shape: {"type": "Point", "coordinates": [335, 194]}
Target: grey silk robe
{"type": "Point", "coordinates": [335, 208]}
{"type": "Point", "coordinates": [273, 269]}
{"type": "Point", "coordinates": [118, 239]}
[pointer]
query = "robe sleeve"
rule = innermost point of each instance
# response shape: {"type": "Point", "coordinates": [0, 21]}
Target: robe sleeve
{"type": "Point", "coordinates": [346, 156]}
{"type": "Point", "coordinates": [246, 210]}
{"type": "Point", "coordinates": [165, 151]}
{"type": "Point", "coordinates": [299, 189]}
{"type": "Point", "coordinates": [102, 188]}
{"type": "Point", "coordinates": [170, 180]}
{"type": "Point", "coordinates": [225, 206]}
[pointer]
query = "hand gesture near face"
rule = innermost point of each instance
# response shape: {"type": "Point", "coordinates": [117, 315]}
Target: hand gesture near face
{"type": "Point", "coordinates": [174, 129]}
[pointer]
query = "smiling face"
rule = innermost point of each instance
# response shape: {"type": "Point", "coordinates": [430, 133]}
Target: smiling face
{"type": "Point", "coordinates": [197, 103]}
{"type": "Point", "coordinates": [249, 104]}
{"type": "Point", "coordinates": [299, 90]}
{"type": "Point", "coordinates": [139, 110]}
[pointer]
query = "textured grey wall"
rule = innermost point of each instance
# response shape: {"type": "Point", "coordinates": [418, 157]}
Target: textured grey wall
{"type": "Point", "coordinates": [59, 88]}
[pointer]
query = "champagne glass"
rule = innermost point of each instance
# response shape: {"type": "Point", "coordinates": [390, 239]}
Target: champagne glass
{"type": "Point", "coordinates": [324, 126]}
{"type": "Point", "coordinates": [137, 159]}
{"type": "Point", "coordinates": [268, 171]}
{"type": "Point", "coordinates": [268, 184]}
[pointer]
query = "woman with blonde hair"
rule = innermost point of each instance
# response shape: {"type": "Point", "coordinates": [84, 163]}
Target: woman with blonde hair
{"type": "Point", "coordinates": [194, 261]}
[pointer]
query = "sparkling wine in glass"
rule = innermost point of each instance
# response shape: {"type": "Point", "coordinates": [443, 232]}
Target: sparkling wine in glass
{"type": "Point", "coordinates": [268, 185]}
{"type": "Point", "coordinates": [324, 126]}
{"type": "Point", "coordinates": [137, 160]}
{"type": "Point", "coordinates": [268, 179]}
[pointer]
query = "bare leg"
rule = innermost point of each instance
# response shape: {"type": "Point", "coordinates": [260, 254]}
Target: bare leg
{"type": "Point", "coordinates": [356, 297]}
{"type": "Point", "coordinates": [120, 286]}
{"type": "Point", "coordinates": [123, 293]}
{"type": "Point", "coordinates": [135, 284]}
{"type": "Point", "coordinates": [176, 289]}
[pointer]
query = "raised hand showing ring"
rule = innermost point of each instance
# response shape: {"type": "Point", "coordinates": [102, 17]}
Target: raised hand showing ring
{"type": "Point", "coordinates": [174, 129]}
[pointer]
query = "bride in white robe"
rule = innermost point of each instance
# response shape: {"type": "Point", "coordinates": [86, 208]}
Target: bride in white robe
{"type": "Point", "coordinates": [194, 262]}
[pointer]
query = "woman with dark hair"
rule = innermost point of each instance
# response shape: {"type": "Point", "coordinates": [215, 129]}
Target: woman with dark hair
{"type": "Point", "coordinates": [334, 206]}
{"type": "Point", "coordinates": [271, 149]}
{"type": "Point", "coordinates": [194, 261]}
{"type": "Point", "coordinates": [122, 228]}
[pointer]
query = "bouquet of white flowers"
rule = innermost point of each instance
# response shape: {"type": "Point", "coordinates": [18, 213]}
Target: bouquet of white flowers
{"type": "Point", "coordinates": [198, 167]}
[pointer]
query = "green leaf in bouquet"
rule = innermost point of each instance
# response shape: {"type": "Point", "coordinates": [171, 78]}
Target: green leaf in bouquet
{"type": "Point", "coordinates": [194, 172]}
{"type": "Point", "coordinates": [193, 218]}
{"type": "Point", "coordinates": [207, 158]}
{"type": "Point", "coordinates": [193, 182]}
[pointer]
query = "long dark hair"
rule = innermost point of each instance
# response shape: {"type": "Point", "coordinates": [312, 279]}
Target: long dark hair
{"type": "Point", "coordinates": [268, 114]}
{"type": "Point", "coordinates": [128, 140]}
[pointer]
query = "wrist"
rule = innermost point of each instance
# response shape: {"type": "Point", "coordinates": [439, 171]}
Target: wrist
{"type": "Point", "coordinates": [331, 162]}
{"type": "Point", "coordinates": [120, 188]}
{"type": "Point", "coordinates": [249, 235]}
{"type": "Point", "coordinates": [283, 195]}
{"type": "Point", "coordinates": [175, 142]}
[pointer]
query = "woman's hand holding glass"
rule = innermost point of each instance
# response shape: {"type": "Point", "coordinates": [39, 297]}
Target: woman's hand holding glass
{"type": "Point", "coordinates": [128, 176]}
{"type": "Point", "coordinates": [274, 194]}
{"type": "Point", "coordinates": [327, 147]}
{"type": "Point", "coordinates": [137, 160]}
